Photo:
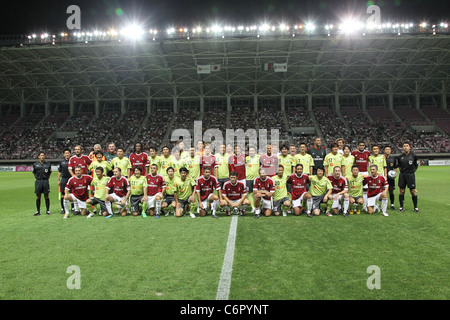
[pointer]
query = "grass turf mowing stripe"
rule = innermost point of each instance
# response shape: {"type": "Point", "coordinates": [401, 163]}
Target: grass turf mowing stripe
{"type": "Point", "coordinates": [223, 291]}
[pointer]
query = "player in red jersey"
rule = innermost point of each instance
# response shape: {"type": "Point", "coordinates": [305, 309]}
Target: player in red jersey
{"type": "Point", "coordinates": [362, 161]}
{"type": "Point", "coordinates": [156, 188]}
{"type": "Point", "coordinates": [77, 191]}
{"type": "Point", "coordinates": [269, 162]}
{"type": "Point", "coordinates": [79, 160]}
{"type": "Point", "coordinates": [298, 182]}
{"type": "Point", "coordinates": [377, 189]}
{"type": "Point", "coordinates": [204, 187]}
{"type": "Point", "coordinates": [338, 193]}
{"type": "Point", "coordinates": [236, 162]}
{"type": "Point", "coordinates": [121, 190]}
{"type": "Point", "coordinates": [263, 190]}
{"type": "Point", "coordinates": [234, 194]}
{"type": "Point", "coordinates": [138, 158]}
{"type": "Point", "coordinates": [208, 160]}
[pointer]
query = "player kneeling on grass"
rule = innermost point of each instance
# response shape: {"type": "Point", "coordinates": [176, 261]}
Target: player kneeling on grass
{"type": "Point", "coordinates": [377, 190]}
{"type": "Point", "coordinates": [320, 190]}
{"type": "Point", "coordinates": [77, 191]}
{"type": "Point", "coordinates": [184, 192]}
{"type": "Point", "coordinates": [263, 190]}
{"type": "Point", "coordinates": [281, 202]}
{"type": "Point", "coordinates": [234, 194]}
{"type": "Point", "coordinates": [355, 190]}
{"type": "Point", "coordinates": [138, 185]}
{"type": "Point", "coordinates": [119, 186]}
{"type": "Point", "coordinates": [156, 188]}
{"type": "Point", "coordinates": [204, 187]}
{"type": "Point", "coordinates": [99, 184]}
{"type": "Point", "coordinates": [298, 182]}
{"type": "Point", "coordinates": [339, 193]}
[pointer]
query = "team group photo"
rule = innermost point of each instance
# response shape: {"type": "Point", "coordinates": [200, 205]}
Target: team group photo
{"type": "Point", "coordinates": [224, 158]}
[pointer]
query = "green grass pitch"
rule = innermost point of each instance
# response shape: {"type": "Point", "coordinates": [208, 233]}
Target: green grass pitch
{"type": "Point", "coordinates": [275, 258]}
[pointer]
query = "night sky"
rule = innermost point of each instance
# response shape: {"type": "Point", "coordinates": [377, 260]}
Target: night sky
{"type": "Point", "coordinates": [24, 17]}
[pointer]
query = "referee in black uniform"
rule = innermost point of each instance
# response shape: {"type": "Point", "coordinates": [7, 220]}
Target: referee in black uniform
{"type": "Point", "coordinates": [408, 163]}
{"type": "Point", "coordinates": [391, 162]}
{"type": "Point", "coordinates": [42, 171]}
{"type": "Point", "coordinates": [64, 175]}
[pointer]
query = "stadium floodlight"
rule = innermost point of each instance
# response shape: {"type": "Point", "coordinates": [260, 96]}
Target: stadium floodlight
{"type": "Point", "coordinates": [170, 30]}
{"type": "Point", "coordinates": [132, 31]}
{"type": "Point", "coordinates": [240, 28]}
{"type": "Point", "coordinates": [264, 27]}
{"type": "Point", "coordinates": [310, 26]}
{"type": "Point", "coordinates": [350, 26]}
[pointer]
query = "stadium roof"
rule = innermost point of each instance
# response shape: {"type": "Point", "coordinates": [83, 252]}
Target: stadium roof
{"type": "Point", "coordinates": [167, 68]}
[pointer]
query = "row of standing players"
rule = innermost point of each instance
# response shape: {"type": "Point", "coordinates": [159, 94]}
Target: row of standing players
{"type": "Point", "coordinates": [282, 170]}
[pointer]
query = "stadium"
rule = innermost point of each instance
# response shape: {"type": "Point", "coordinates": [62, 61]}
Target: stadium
{"type": "Point", "coordinates": [381, 84]}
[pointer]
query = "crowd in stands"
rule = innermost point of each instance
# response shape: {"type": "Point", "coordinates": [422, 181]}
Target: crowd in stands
{"type": "Point", "coordinates": [24, 138]}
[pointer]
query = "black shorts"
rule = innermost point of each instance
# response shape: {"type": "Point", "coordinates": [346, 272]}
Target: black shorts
{"type": "Point", "coordinates": [391, 184]}
{"type": "Point", "coordinates": [134, 202]}
{"type": "Point", "coordinates": [249, 185]}
{"type": "Point", "coordinates": [407, 179]}
{"type": "Point", "coordinates": [63, 183]}
{"type": "Point", "coordinates": [41, 186]}
{"type": "Point", "coordinates": [102, 204]}
{"type": "Point", "coordinates": [169, 198]}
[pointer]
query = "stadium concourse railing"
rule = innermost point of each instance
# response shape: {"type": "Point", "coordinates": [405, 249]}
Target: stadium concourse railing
{"type": "Point", "coordinates": [24, 165]}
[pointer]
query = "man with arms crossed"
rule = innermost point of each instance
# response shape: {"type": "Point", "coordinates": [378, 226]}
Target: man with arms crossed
{"type": "Point", "coordinates": [64, 175]}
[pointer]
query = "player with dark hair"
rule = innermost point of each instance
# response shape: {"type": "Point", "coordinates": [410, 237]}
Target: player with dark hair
{"type": "Point", "coordinates": [391, 163]}
{"type": "Point", "coordinates": [318, 153]}
{"type": "Point", "coordinates": [138, 184]}
{"type": "Point", "coordinates": [118, 191]}
{"type": "Point", "coordinates": [139, 158]}
{"type": "Point", "coordinates": [204, 187]}
{"type": "Point", "coordinates": [377, 190]}
{"type": "Point", "coordinates": [263, 190]}
{"type": "Point", "coordinates": [184, 193]}
{"type": "Point", "coordinates": [64, 175]}
{"type": "Point", "coordinates": [77, 191]}
{"type": "Point", "coordinates": [299, 182]}
{"type": "Point", "coordinates": [42, 170]}
{"type": "Point", "coordinates": [408, 163]}
{"type": "Point", "coordinates": [79, 159]}
{"type": "Point", "coordinates": [234, 194]}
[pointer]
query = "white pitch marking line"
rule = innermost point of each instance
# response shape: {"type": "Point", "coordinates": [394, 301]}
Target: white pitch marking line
{"type": "Point", "coordinates": [223, 291]}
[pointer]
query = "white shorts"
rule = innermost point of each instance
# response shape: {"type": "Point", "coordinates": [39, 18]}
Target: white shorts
{"type": "Point", "coordinates": [151, 200]}
{"type": "Point", "coordinates": [336, 204]}
{"type": "Point", "coordinates": [266, 204]}
{"type": "Point", "coordinates": [298, 202]}
{"type": "Point", "coordinates": [118, 199]}
{"type": "Point", "coordinates": [372, 200]}
{"type": "Point", "coordinates": [81, 204]}
{"type": "Point", "coordinates": [236, 201]}
{"type": "Point", "coordinates": [204, 203]}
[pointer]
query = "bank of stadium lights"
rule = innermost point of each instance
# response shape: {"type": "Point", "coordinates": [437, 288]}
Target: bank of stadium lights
{"type": "Point", "coordinates": [136, 32]}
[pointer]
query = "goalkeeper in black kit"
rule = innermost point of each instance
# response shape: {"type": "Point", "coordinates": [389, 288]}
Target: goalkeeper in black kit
{"type": "Point", "coordinates": [408, 163]}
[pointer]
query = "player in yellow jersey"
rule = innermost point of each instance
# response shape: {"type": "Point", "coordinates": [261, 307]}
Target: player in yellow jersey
{"type": "Point", "coordinates": [138, 184]}
{"type": "Point", "coordinates": [348, 161]}
{"type": "Point", "coordinates": [169, 197]}
{"type": "Point", "coordinates": [184, 193]}
{"type": "Point", "coordinates": [99, 184]}
{"type": "Point", "coordinates": [320, 190]}
{"type": "Point", "coordinates": [251, 173]}
{"type": "Point", "coordinates": [332, 160]}
{"type": "Point", "coordinates": [379, 160]}
{"type": "Point", "coordinates": [122, 162]}
{"type": "Point", "coordinates": [281, 202]}
{"type": "Point", "coordinates": [165, 161]}
{"type": "Point", "coordinates": [355, 190]}
{"type": "Point", "coordinates": [222, 165]}
{"type": "Point", "coordinates": [305, 159]}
